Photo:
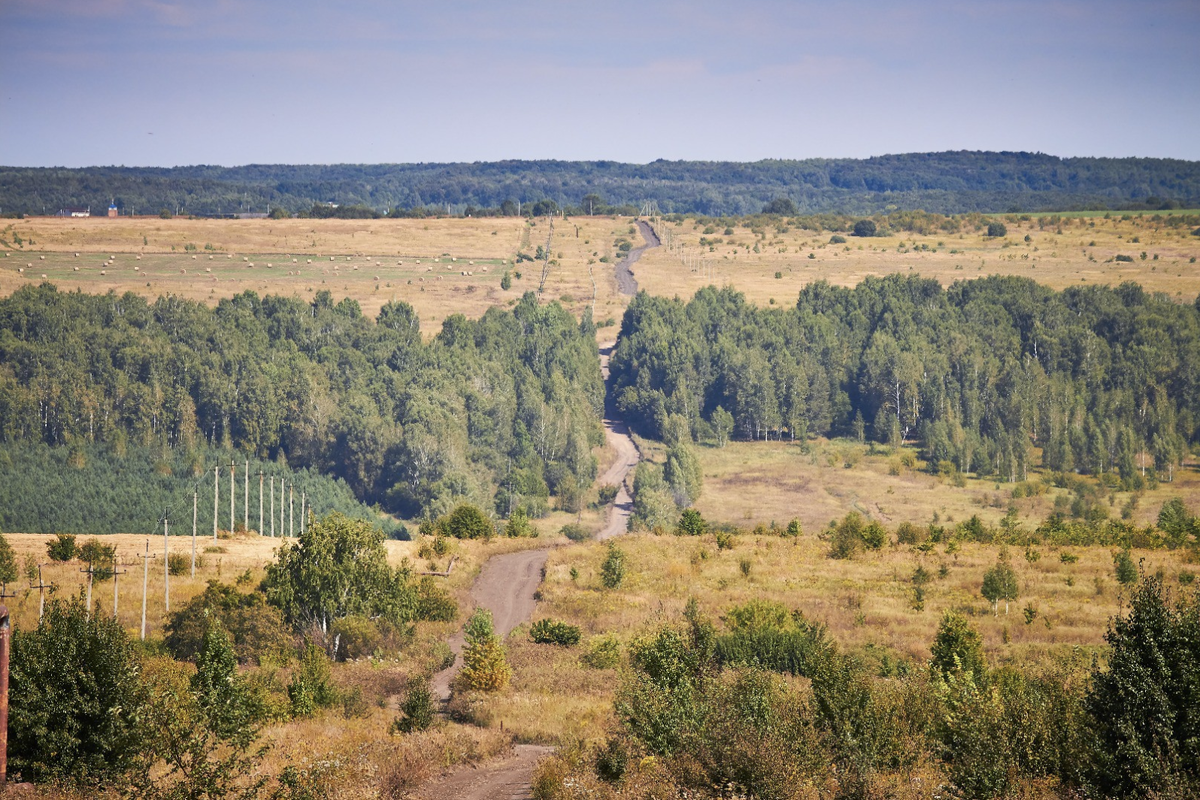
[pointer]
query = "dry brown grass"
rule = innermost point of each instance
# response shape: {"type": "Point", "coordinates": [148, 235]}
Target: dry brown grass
{"type": "Point", "coordinates": [373, 261]}
{"type": "Point", "coordinates": [1057, 260]}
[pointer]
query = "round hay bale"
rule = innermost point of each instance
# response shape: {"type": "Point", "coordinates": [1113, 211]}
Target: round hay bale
{"type": "Point", "coordinates": [76, 269]}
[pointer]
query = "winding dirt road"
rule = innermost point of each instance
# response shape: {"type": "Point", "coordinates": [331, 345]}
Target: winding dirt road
{"type": "Point", "coordinates": [507, 584]}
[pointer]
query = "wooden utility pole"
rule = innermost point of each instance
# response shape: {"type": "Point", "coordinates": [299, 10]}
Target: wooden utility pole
{"type": "Point", "coordinates": [166, 567]}
{"type": "Point", "coordinates": [42, 586]}
{"type": "Point", "coordinates": [195, 500]}
{"type": "Point", "coordinates": [272, 506]}
{"type": "Point", "coordinates": [216, 491]}
{"type": "Point", "coordinates": [291, 519]}
{"type": "Point", "coordinates": [260, 503]}
{"type": "Point", "coordinates": [246, 500]}
{"type": "Point", "coordinates": [145, 584]}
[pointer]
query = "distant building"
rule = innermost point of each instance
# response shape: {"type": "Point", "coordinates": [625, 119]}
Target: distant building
{"type": "Point", "coordinates": [74, 211]}
{"type": "Point", "coordinates": [112, 210]}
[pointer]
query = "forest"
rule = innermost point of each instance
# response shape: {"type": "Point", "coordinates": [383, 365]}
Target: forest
{"type": "Point", "coordinates": [502, 411]}
{"type": "Point", "coordinates": [1105, 381]}
{"type": "Point", "coordinates": [947, 183]}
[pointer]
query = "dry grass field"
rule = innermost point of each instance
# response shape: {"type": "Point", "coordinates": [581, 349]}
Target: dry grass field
{"type": "Point", "coordinates": [1073, 251]}
{"type": "Point", "coordinates": [440, 266]}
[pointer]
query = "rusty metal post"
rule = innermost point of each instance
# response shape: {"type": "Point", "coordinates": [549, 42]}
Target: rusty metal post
{"type": "Point", "coordinates": [5, 634]}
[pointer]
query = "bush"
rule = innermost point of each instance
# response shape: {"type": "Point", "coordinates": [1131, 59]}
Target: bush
{"type": "Point", "coordinates": [468, 522]}
{"type": "Point", "coordinates": [434, 602]}
{"type": "Point", "coordinates": [690, 523]}
{"type": "Point", "coordinates": [357, 637]}
{"type": "Point", "coordinates": [416, 709]}
{"type": "Point", "coordinates": [550, 631]}
{"type": "Point", "coordinates": [484, 666]}
{"type": "Point", "coordinates": [75, 698]}
{"type": "Point", "coordinates": [256, 629]}
{"type": "Point", "coordinates": [957, 647]}
{"type": "Point", "coordinates": [518, 525]}
{"type": "Point", "coordinates": [576, 532]}
{"type": "Point", "coordinates": [996, 230]}
{"type": "Point", "coordinates": [311, 687]}
{"type": "Point", "coordinates": [606, 494]}
{"type": "Point", "coordinates": [1126, 571]}
{"type": "Point", "coordinates": [61, 547]}
{"type": "Point", "coordinates": [612, 571]}
{"type": "Point", "coordinates": [836, 239]}
{"type": "Point", "coordinates": [179, 564]}
{"type": "Point", "coordinates": [8, 561]}
{"type": "Point", "coordinates": [865, 228]}
{"type": "Point", "coordinates": [603, 652]}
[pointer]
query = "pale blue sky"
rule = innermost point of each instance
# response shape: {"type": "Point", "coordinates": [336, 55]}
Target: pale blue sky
{"type": "Point", "coordinates": [164, 83]}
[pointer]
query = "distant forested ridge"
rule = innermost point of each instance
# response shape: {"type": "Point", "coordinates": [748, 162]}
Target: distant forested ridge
{"type": "Point", "coordinates": [948, 183]}
{"type": "Point", "coordinates": [502, 411]}
{"type": "Point", "coordinates": [1103, 380]}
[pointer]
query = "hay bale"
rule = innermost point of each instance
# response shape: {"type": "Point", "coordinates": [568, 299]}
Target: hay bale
{"type": "Point", "coordinates": [76, 269]}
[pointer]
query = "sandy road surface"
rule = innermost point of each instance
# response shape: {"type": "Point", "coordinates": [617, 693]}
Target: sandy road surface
{"type": "Point", "coordinates": [626, 284]}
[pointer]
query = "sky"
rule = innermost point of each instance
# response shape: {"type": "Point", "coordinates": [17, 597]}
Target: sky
{"type": "Point", "coordinates": [233, 82]}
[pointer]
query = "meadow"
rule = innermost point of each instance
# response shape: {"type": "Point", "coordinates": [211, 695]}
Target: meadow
{"type": "Point", "coordinates": [771, 261]}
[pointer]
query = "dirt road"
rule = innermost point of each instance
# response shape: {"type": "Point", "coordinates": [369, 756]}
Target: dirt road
{"type": "Point", "coordinates": [506, 586]}
{"type": "Point", "coordinates": [626, 284]}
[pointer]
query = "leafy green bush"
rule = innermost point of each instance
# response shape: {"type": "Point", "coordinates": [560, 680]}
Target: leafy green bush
{"type": "Point", "coordinates": [74, 698]}
{"type": "Point", "coordinates": [179, 564]}
{"type": "Point", "coordinates": [417, 711]}
{"type": "Point", "coordinates": [311, 687]}
{"type": "Point", "coordinates": [61, 547]}
{"type": "Point", "coordinates": [468, 522]}
{"type": "Point", "coordinates": [612, 571]}
{"type": "Point", "coordinates": [256, 629]}
{"type": "Point", "coordinates": [996, 230]}
{"type": "Point", "coordinates": [837, 239]}
{"type": "Point", "coordinates": [690, 523]}
{"type": "Point", "coordinates": [576, 532]}
{"type": "Point", "coordinates": [8, 561]}
{"type": "Point", "coordinates": [484, 666]}
{"type": "Point", "coordinates": [550, 631]}
{"type": "Point", "coordinates": [1124, 568]}
{"type": "Point", "coordinates": [434, 602]}
{"type": "Point", "coordinates": [603, 652]}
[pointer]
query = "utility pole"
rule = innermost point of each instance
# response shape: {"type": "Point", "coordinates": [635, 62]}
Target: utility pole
{"type": "Point", "coordinates": [116, 571]}
{"type": "Point", "coordinates": [272, 506]}
{"type": "Point", "coordinates": [90, 572]}
{"type": "Point", "coordinates": [166, 566]}
{"type": "Point", "coordinates": [291, 505]}
{"type": "Point", "coordinates": [303, 514]}
{"type": "Point", "coordinates": [260, 503]}
{"type": "Point", "coordinates": [195, 499]}
{"type": "Point", "coordinates": [246, 501]}
{"type": "Point", "coordinates": [231, 469]}
{"type": "Point", "coordinates": [145, 584]}
{"type": "Point", "coordinates": [282, 534]}
{"type": "Point", "coordinates": [42, 586]}
{"type": "Point", "coordinates": [5, 640]}
{"type": "Point", "coordinates": [216, 491]}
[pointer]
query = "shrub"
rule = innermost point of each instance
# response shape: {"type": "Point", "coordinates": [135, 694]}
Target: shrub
{"type": "Point", "coordinates": [468, 522]}
{"type": "Point", "coordinates": [612, 571]}
{"type": "Point", "coordinates": [606, 494]}
{"type": "Point", "coordinates": [416, 709]}
{"type": "Point", "coordinates": [576, 532]}
{"type": "Point", "coordinates": [8, 561]}
{"type": "Point", "coordinates": [836, 239]}
{"type": "Point", "coordinates": [75, 697]}
{"type": "Point", "coordinates": [484, 666]}
{"type": "Point", "coordinates": [61, 547]}
{"type": "Point", "coordinates": [355, 637]}
{"type": "Point", "coordinates": [434, 602]}
{"type": "Point", "coordinates": [1123, 566]}
{"type": "Point", "coordinates": [690, 523]}
{"type": "Point", "coordinates": [311, 687]}
{"type": "Point", "coordinates": [256, 629]}
{"type": "Point", "coordinates": [603, 652]}
{"type": "Point", "coordinates": [996, 230]}
{"type": "Point", "coordinates": [864, 228]}
{"type": "Point", "coordinates": [99, 556]}
{"type": "Point", "coordinates": [179, 564]}
{"type": "Point", "coordinates": [518, 525]}
{"type": "Point", "coordinates": [550, 631]}
{"type": "Point", "coordinates": [793, 529]}
{"type": "Point", "coordinates": [765, 635]}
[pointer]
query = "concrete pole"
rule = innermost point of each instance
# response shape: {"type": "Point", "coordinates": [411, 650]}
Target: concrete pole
{"type": "Point", "coordinates": [260, 503]}
{"type": "Point", "coordinates": [195, 500]}
{"type": "Point", "coordinates": [231, 490]}
{"type": "Point", "coordinates": [282, 530]}
{"type": "Point", "coordinates": [166, 567]}
{"type": "Point", "coordinates": [272, 506]}
{"type": "Point", "coordinates": [246, 501]}
{"type": "Point", "coordinates": [145, 584]}
{"type": "Point", "coordinates": [216, 491]}
{"type": "Point", "coordinates": [291, 520]}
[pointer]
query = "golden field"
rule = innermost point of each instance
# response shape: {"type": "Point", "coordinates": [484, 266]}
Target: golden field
{"type": "Point", "coordinates": [1072, 251]}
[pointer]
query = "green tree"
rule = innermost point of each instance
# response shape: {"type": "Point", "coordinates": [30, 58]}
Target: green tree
{"type": "Point", "coordinates": [865, 228]}
{"type": "Point", "coordinates": [220, 694]}
{"type": "Point", "coordinates": [518, 524]}
{"type": "Point", "coordinates": [8, 561]}
{"type": "Point", "coordinates": [996, 230]}
{"type": "Point", "coordinates": [61, 547]}
{"type": "Point", "coordinates": [690, 523]}
{"type": "Point", "coordinates": [1145, 703]}
{"type": "Point", "coordinates": [957, 647]}
{"type": "Point", "coordinates": [1176, 522]}
{"type": "Point", "coordinates": [1124, 568]}
{"type": "Point", "coordinates": [485, 668]}
{"type": "Point", "coordinates": [311, 687]}
{"type": "Point", "coordinates": [612, 571]}
{"type": "Point", "coordinates": [255, 628]}
{"type": "Point", "coordinates": [783, 206]}
{"type": "Point", "coordinates": [417, 711]}
{"type": "Point", "coordinates": [1000, 583]}
{"type": "Point", "coordinates": [75, 698]}
{"type": "Point", "coordinates": [338, 568]}
{"type": "Point", "coordinates": [468, 522]}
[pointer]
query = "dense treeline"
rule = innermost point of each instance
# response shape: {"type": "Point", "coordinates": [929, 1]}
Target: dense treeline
{"type": "Point", "coordinates": [949, 182]}
{"type": "Point", "coordinates": [501, 411]}
{"type": "Point", "coordinates": [1106, 381]}
{"type": "Point", "coordinates": [98, 488]}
